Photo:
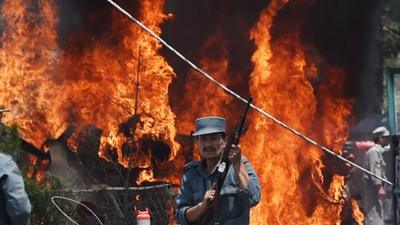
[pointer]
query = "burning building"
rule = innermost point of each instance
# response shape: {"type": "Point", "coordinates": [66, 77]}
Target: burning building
{"type": "Point", "coordinates": [83, 67]}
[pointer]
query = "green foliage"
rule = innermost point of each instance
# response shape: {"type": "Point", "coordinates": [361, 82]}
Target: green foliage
{"type": "Point", "coordinates": [43, 210]}
{"type": "Point", "coordinates": [9, 140]}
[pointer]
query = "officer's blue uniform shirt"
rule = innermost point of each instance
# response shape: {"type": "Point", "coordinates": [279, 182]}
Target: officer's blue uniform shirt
{"type": "Point", "coordinates": [14, 201]}
{"type": "Point", "coordinates": [234, 203]}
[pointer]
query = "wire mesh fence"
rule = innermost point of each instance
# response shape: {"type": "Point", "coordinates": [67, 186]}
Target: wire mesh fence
{"type": "Point", "coordinates": [118, 205]}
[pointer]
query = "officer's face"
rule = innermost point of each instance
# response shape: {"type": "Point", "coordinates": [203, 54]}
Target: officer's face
{"type": "Point", "coordinates": [212, 145]}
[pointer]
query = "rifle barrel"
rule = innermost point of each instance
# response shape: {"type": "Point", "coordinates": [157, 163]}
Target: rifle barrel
{"type": "Point", "coordinates": [242, 121]}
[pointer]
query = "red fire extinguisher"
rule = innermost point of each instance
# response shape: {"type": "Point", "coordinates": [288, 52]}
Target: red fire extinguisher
{"type": "Point", "coordinates": [143, 217]}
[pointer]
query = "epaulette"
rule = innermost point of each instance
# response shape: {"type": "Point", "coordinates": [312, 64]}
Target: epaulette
{"type": "Point", "coordinates": [191, 164]}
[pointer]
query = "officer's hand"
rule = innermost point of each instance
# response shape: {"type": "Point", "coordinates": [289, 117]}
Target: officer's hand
{"type": "Point", "coordinates": [381, 192]}
{"type": "Point", "coordinates": [209, 197]}
{"type": "Point", "coordinates": [235, 154]}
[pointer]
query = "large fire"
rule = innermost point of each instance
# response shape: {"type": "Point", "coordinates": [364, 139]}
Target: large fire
{"type": "Point", "coordinates": [26, 69]}
{"type": "Point", "coordinates": [50, 88]}
{"type": "Point", "coordinates": [289, 168]}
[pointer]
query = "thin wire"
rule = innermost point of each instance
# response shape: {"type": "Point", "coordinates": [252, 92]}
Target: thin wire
{"type": "Point", "coordinates": [89, 190]}
{"type": "Point", "coordinates": [77, 202]}
{"type": "Point", "coordinates": [241, 98]}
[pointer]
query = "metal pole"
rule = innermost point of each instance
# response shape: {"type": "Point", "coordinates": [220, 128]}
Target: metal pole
{"type": "Point", "coordinates": [393, 127]}
{"type": "Point", "coordinates": [137, 81]}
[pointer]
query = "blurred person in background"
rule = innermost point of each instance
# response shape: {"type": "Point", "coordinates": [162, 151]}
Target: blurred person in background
{"type": "Point", "coordinates": [374, 190]}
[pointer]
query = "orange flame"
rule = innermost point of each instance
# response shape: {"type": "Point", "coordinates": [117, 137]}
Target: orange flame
{"type": "Point", "coordinates": [290, 170]}
{"type": "Point", "coordinates": [49, 89]}
{"type": "Point", "coordinates": [145, 175]}
{"type": "Point", "coordinates": [357, 214]}
{"type": "Point", "coordinates": [204, 98]}
{"type": "Point", "coordinates": [25, 68]}
{"type": "Point", "coordinates": [108, 81]}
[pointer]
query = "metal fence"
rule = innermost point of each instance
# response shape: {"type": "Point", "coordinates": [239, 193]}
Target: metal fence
{"type": "Point", "coordinates": [118, 205]}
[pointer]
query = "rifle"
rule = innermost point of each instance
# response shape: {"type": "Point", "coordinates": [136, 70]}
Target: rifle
{"type": "Point", "coordinates": [224, 164]}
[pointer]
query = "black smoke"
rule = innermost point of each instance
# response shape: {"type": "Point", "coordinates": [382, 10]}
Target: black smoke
{"type": "Point", "coordinates": [346, 33]}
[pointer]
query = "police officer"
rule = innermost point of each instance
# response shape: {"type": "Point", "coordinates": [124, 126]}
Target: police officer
{"type": "Point", "coordinates": [373, 187]}
{"type": "Point", "coordinates": [241, 189]}
{"type": "Point", "coordinates": [15, 206]}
